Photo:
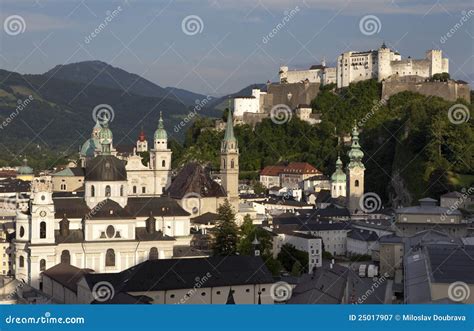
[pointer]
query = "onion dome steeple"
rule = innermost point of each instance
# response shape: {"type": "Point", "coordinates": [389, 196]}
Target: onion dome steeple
{"type": "Point", "coordinates": [355, 154]}
{"type": "Point", "coordinates": [160, 133]}
{"type": "Point", "coordinates": [338, 175]}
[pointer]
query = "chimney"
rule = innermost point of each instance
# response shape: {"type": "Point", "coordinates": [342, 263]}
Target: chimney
{"type": "Point", "coordinates": [150, 224]}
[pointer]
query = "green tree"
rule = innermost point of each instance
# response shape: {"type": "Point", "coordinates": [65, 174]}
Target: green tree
{"type": "Point", "coordinates": [289, 255]}
{"type": "Point", "coordinates": [226, 232]}
{"type": "Point", "coordinates": [258, 188]}
{"type": "Point", "coordinates": [297, 269]}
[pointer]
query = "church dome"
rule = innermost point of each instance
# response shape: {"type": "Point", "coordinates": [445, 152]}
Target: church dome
{"type": "Point", "coordinates": [160, 133]}
{"type": "Point", "coordinates": [25, 169]}
{"type": "Point", "coordinates": [338, 175]}
{"type": "Point", "coordinates": [106, 168]}
{"type": "Point", "coordinates": [89, 147]}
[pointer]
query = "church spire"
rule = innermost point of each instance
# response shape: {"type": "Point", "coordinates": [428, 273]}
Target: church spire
{"type": "Point", "coordinates": [229, 130]}
{"type": "Point", "coordinates": [355, 154]}
{"type": "Point", "coordinates": [160, 133]}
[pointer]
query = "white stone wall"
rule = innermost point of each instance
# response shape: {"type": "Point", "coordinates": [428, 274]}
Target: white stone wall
{"type": "Point", "coordinates": [338, 189]}
{"type": "Point", "coordinates": [383, 63]}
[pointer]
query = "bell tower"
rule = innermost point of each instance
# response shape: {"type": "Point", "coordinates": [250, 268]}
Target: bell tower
{"type": "Point", "coordinates": [160, 158]}
{"type": "Point", "coordinates": [230, 161]}
{"type": "Point", "coordinates": [355, 174]}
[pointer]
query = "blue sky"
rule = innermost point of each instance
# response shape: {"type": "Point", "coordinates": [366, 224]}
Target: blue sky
{"type": "Point", "coordinates": [228, 52]}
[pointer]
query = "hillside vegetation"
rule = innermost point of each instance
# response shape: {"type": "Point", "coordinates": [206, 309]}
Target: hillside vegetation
{"type": "Point", "coordinates": [411, 148]}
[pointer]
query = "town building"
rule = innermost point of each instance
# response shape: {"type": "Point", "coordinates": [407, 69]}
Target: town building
{"type": "Point", "coordinates": [428, 215]}
{"type": "Point", "coordinates": [212, 280]}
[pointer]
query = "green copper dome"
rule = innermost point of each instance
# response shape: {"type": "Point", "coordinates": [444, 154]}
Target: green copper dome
{"type": "Point", "coordinates": [25, 169]}
{"type": "Point", "coordinates": [338, 175]}
{"type": "Point", "coordinates": [160, 133]}
{"type": "Point", "coordinates": [89, 147]}
{"type": "Point", "coordinates": [355, 154]}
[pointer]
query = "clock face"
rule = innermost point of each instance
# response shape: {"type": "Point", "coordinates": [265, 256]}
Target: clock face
{"type": "Point", "coordinates": [43, 213]}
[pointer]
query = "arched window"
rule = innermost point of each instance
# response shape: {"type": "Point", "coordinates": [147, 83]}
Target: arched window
{"type": "Point", "coordinates": [153, 254]}
{"type": "Point", "coordinates": [134, 189]}
{"type": "Point", "coordinates": [121, 190]}
{"type": "Point", "coordinates": [232, 164]}
{"type": "Point", "coordinates": [108, 191]}
{"type": "Point", "coordinates": [43, 230]}
{"type": "Point", "coordinates": [356, 183]}
{"type": "Point", "coordinates": [92, 191]}
{"type": "Point", "coordinates": [42, 265]}
{"type": "Point", "coordinates": [163, 163]}
{"type": "Point", "coordinates": [65, 257]}
{"type": "Point", "coordinates": [143, 189]}
{"type": "Point", "coordinates": [223, 162]}
{"type": "Point", "coordinates": [22, 262]}
{"type": "Point", "coordinates": [110, 258]}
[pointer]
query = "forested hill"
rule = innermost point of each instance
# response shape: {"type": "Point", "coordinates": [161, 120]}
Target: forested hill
{"type": "Point", "coordinates": [411, 147]}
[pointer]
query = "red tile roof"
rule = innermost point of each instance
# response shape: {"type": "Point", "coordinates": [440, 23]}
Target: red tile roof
{"type": "Point", "coordinates": [300, 168]}
{"type": "Point", "coordinates": [272, 170]}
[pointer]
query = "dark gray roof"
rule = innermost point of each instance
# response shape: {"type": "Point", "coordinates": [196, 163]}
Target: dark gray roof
{"type": "Point", "coordinates": [156, 206]}
{"type": "Point", "coordinates": [76, 207]}
{"type": "Point", "coordinates": [206, 218]}
{"type": "Point", "coordinates": [66, 275]}
{"type": "Point", "coordinates": [391, 239]}
{"type": "Point", "coordinates": [143, 235]}
{"type": "Point", "coordinates": [451, 263]}
{"type": "Point", "coordinates": [105, 168]}
{"type": "Point", "coordinates": [194, 179]}
{"type": "Point", "coordinates": [324, 286]}
{"type": "Point", "coordinates": [14, 185]}
{"type": "Point", "coordinates": [71, 207]}
{"type": "Point", "coordinates": [363, 235]}
{"type": "Point", "coordinates": [155, 275]}
{"type": "Point", "coordinates": [125, 298]}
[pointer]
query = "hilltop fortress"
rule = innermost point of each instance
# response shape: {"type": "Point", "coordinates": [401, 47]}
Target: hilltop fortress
{"type": "Point", "coordinates": [297, 88]}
